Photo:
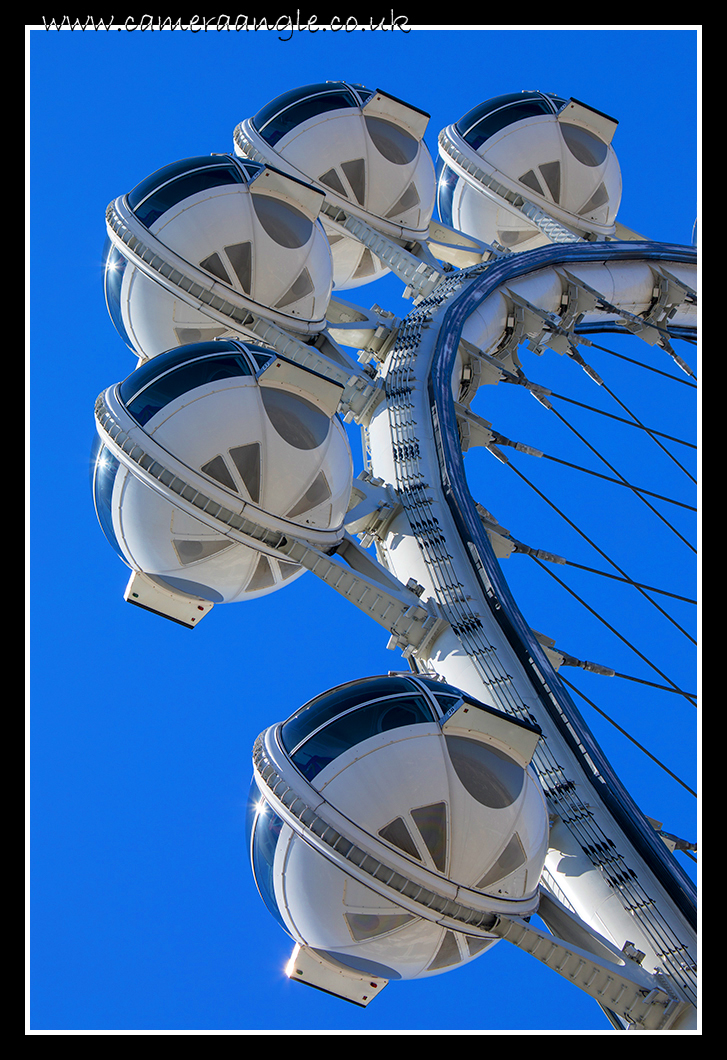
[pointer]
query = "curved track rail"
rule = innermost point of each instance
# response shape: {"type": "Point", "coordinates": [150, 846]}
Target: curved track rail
{"type": "Point", "coordinates": [645, 897]}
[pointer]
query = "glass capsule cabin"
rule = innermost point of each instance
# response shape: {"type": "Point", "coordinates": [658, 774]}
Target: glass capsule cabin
{"type": "Point", "coordinates": [156, 384]}
{"type": "Point", "coordinates": [481, 123]}
{"type": "Point", "coordinates": [364, 150]}
{"type": "Point", "coordinates": [535, 148]}
{"type": "Point", "coordinates": [338, 720]}
{"type": "Point", "coordinates": [264, 246]}
{"type": "Point", "coordinates": [160, 192]}
{"type": "Point", "coordinates": [233, 418]}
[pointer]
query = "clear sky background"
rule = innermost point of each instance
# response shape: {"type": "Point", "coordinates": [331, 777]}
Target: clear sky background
{"type": "Point", "coordinates": [143, 915]}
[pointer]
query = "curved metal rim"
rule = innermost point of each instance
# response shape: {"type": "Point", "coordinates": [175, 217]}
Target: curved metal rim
{"type": "Point", "coordinates": [554, 696]}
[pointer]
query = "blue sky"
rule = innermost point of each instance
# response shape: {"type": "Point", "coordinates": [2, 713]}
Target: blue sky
{"type": "Point", "coordinates": [143, 916]}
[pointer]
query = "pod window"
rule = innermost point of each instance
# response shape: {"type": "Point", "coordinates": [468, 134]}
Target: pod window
{"type": "Point", "coordinates": [329, 705]}
{"type": "Point", "coordinates": [432, 824]}
{"type": "Point", "coordinates": [397, 833]}
{"type": "Point", "coordinates": [192, 550]}
{"type": "Point", "coordinates": [217, 469]}
{"type": "Point", "coordinates": [262, 576]}
{"type": "Point", "coordinates": [599, 198]}
{"type": "Point", "coordinates": [486, 119]}
{"type": "Point", "coordinates": [284, 224]}
{"type": "Point", "coordinates": [531, 181]}
{"type": "Point", "coordinates": [355, 173]}
{"type": "Point", "coordinates": [355, 727]}
{"type": "Point", "coordinates": [316, 494]}
{"type": "Point", "coordinates": [263, 830]}
{"type": "Point", "coordinates": [551, 175]}
{"type": "Point", "coordinates": [171, 384]}
{"type": "Point", "coordinates": [394, 143]}
{"type": "Point", "coordinates": [583, 145]}
{"type": "Point", "coordinates": [447, 954]}
{"type": "Point", "coordinates": [369, 925]}
{"type": "Point", "coordinates": [407, 201]}
{"type": "Point", "coordinates": [246, 459]}
{"type": "Point", "coordinates": [293, 108]}
{"type": "Point", "coordinates": [172, 184]}
{"type": "Point", "coordinates": [297, 421]}
{"type": "Point", "coordinates": [301, 286]}
{"type": "Point", "coordinates": [240, 256]}
{"type": "Point", "coordinates": [332, 180]}
{"type": "Point", "coordinates": [490, 777]}
{"type": "Point", "coordinates": [512, 857]}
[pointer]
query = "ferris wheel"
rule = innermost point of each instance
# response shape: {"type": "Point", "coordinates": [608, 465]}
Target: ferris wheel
{"type": "Point", "coordinates": [402, 824]}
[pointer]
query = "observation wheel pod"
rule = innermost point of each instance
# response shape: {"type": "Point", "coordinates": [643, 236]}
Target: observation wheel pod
{"type": "Point", "coordinates": [386, 833]}
{"type": "Point", "coordinates": [202, 246]}
{"type": "Point", "coordinates": [207, 457]}
{"type": "Point", "coordinates": [527, 169]}
{"type": "Point", "coordinates": [363, 150]}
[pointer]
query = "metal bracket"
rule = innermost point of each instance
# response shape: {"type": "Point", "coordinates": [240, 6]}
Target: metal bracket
{"type": "Point", "coordinates": [645, 1001]}
{"type": "Point", "coordinates": [560, 336]}
{"type": "Point", "coordinates": [355, 574]}
{"type": "Point", "coordinates": [372, 332]}
{"type": "Point", "coordinates": [455, 248]}
{"type": "Point", "coordinates": [651, 327]}
{"type": "Point", "coordinates": [560, 658]}
{"type": "Point", "coordinates": [420, 276]}
{"type": "Point", "coordinates": [309, 966]}
{"type": "Point", "coordinates": [373, 506]}
{"type": "Point", "coordinates": [473, 429]}
{"type": "Point", "coordinates": [360, 393]}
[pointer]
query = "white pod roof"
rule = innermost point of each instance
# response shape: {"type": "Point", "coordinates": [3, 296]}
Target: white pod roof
{"type": "Point", "coordinates": [204, 241]}
{"type": "Point", "coordinates": [364, 149]}
{"type": "Point", "coordinates": [535, 148]}
{"type": "Point", "coordinates": [390, 817]}
{"type": "Point", "coordinates": [222, 432]}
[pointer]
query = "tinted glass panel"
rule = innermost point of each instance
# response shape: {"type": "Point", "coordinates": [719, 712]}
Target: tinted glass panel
{"type": "Point", "coordinates": [254, 800]}
{"type": "Point", "coordinates": [398, 835]}
{"type": "Point", "coordinates": [247, 460]}
{"type": "Point", "coordinates": [447, 954]}
{"type": "Point", "coordinates": [583, 145]}
{"type": "Point", "coordinates": [145, 373]}
{"type": "Point", "coordinates": [395, 144]}
{"type": "Point", "coordinates": [113, 277]}
{"type": "Point", "coordinates": [160, 176]}
{"type": "Point", "coordinates": [164, 189]}
{"type": "Point", "coordinates": [104, 467]}
{"type": "Point", "coordinates": [446, 183]}
{"type": "Point", "coordinates": [262, 356]}
{"type": "Point", "coordinates": [447, 702]}
{"type": "Point", "coordinates": [157, 366]}
{"type": "Point", "coordinates": [330, 704]}
{"type": "Point", "coordinates": [512, 857]}
{"type": "Point", "coordinates": [283, 223]}
{"type": "Point", "coordinates": [359, 725]}
{"type": "Point", "coordinates": [439, 686]}
{"type": "Point", "coordinates": [551, 175]}
{"type": "Point", "coordinates": [489, 776]}
{"type": "Point", "coordinates": [355, 173]}
{"type": "Point", "coordinates": [263, 832]}
{"type": "Point", "coordinates": [365, 926]}
{"type": "Point", "coordinates": [292, 108]}
{"type": "Point", "coordinates": [488, 118]}
{"type": "Point", "coordinates": [432, 824]}
{"type": "Point", "coordinates": [599, 197]}
{"type": "Point", "coordinates": [298, 422]}
{"type": "Point", "coordinates": [184, 379]}
{"type": "Point", "coordinates": [477, 113]}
